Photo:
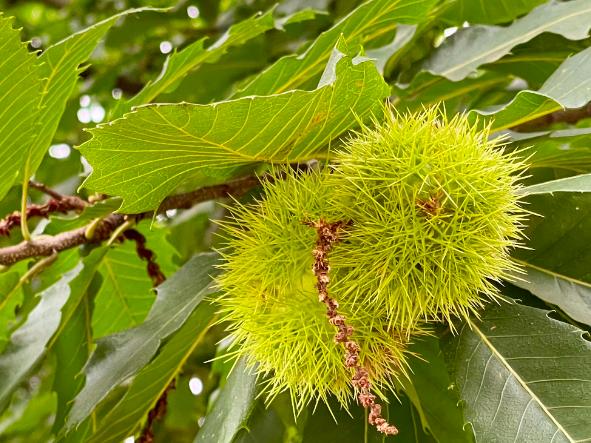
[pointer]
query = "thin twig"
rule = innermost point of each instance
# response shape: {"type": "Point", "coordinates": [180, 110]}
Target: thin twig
{"type": "Point", "coordinates": [327, 235]}
{"type": "Point", "coordinates": [63, 205]}
{"type": "Point", "coordinates": [570, 116]}
{"type": "Point", "coordinates": [46, 245]}
{"type": "Point", "coordinates": [156, 413]}
{"type": "Point", "coordinates": [157, 277]}
{"type": "Point", "coordinates": [152, 268]}
{"type": "Point", "coordinates": [45, 189]}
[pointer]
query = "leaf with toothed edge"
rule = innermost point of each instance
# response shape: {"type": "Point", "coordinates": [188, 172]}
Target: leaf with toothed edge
{"type": "Point", "coordinates": [365, 25]}
{"type": "Point", "coordinates": [179, 64]}
{"type": "Point", "coordinates": [571, 295]}
{"type": "Point", "coordinates": [59, 66]}
{"type": "Point", "coordinates": [20, 93]}
{"type": "Point", "coordinates": [523, 376]}
{"type": "Point", "coordinates": [145, 155]}
{"type": "Point", "coordinates": [565, 88]}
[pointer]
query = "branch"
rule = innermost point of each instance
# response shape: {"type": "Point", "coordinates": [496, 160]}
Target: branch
{"type": "Point", "coordinates": [48, 245]}
{"type": "Point", "coordinates": [45, 189]}
{"type": "Point", "coordinates": [565, 116]}
{"type": "Point", "coordinates": [63, 205]}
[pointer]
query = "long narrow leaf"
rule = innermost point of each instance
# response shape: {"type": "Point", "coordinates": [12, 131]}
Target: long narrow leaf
{"type": "Point", "coordinates": [120, 356]}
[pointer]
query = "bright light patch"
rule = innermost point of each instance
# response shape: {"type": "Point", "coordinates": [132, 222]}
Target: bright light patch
{"type": "Point", "coordinates": [86, 166]}
{"type": "Point", "coordinates": [84, 115]}
{"type": "Point", "coordinates": [36, 42]}
{"type": "Point", "coordinates": [85, 101]}
{"type": "Point", "coordinates": [448, 32]}
{"type": "Point", "coordinates": [97, 113]}
{"type": "Point", "coordinates": [193, 11]}
{"type": "Point", "coordinates": [60, 151]}
{"type": "Point", "coordinates": [129, 440]}
{"type": "Point", "coordinates": [195, 385]}
{"type": "Point", "coordinates": [165, 47]}
{"type": "Point", "coordinates": [117, 93]}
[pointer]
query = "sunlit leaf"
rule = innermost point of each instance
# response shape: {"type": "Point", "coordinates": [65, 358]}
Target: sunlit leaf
{"type": "Point", "coordinates": [365, 25]}
{"type": "Point", "coordinates": [181, 63]}
{"type": "Point", "coordinates": [20, 93]}
{"type": "Point", "coordinates": [60, 66]}
{"type": "Point", "coordinates": [144, 156]}
{"type": "Point", "coordinates": [578, 183]}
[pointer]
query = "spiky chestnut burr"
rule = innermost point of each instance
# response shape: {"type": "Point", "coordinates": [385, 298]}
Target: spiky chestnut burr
{"type": "Point", "coordinates": [270, 300]}
{"type": "Point", "coordinates": [435, 210]}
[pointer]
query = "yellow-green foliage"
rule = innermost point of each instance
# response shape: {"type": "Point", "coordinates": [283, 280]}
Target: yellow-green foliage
{"type": "Point", "coordinates": [433, 206]}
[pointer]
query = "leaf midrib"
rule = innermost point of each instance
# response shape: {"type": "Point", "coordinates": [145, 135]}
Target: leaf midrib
{"type": "Point", "coordinates": [519, 379]}
{"type": "Point", "coordinates": [552, 273]}
{"type": "Point", "coordinates": [514, 41]}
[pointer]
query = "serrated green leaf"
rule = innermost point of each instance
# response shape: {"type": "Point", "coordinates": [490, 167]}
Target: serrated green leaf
{"type": "Point", "coordinates": [144, 156]}
{"type": "Point", "coordinates": [571, 295]}
{"type": "Point", "coordinates": [120, 356]}
{"type": "Point", "coordinates": [536, 60]}
{"type": "Point", "coordinates": [127, 416]}
{"type": "Point", "coordinates": [523, 376]}
{"type": "Point", "coordinates": [44, 324]}
{"type": "Point", "coordinates": [20, 93]}
{"type": "Point", "coordinates": [126, 293]}
{"type": "Point", "coordinates": [578, 183]}
{"type": "Point", "coordinates": [428, 389]}
{"type": "Point", "coordinates": [59, 65]}
{"type": "Point", "coordinates": [365, 25]}
{"type": "Point", "coordinates": [474, 46]}
{"type": "Point", "coordinates": [489, 11]}
{"type": "Point", "coordinates": [565, 88]}
{"type": "Point", "coordinates": [232, 408]}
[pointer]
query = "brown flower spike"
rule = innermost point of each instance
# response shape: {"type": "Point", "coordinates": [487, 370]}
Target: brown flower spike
{"type": "Point", "coordinates": [327, 235]}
